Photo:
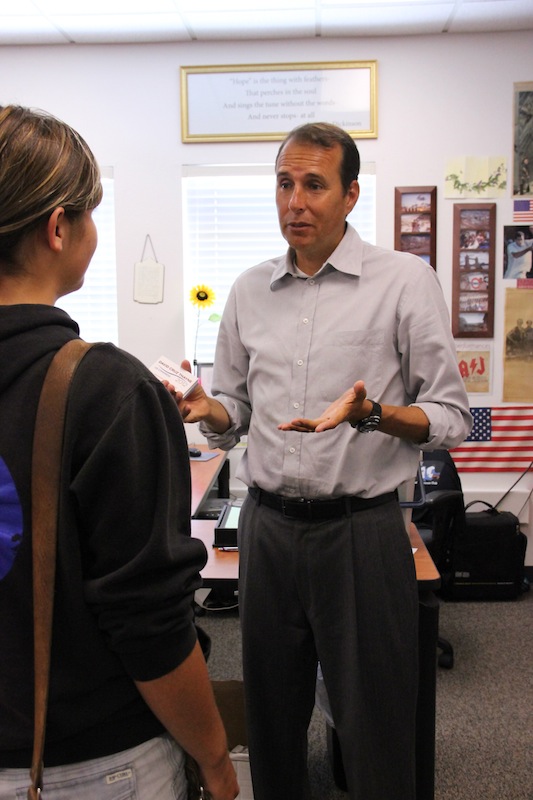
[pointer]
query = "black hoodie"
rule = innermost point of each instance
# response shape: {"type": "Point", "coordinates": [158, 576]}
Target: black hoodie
{"type": "Point", "coordinates": [127, 567]}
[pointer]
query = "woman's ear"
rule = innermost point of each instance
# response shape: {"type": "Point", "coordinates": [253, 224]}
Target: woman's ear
{"type": "Point", "coordinates": [55, 229]}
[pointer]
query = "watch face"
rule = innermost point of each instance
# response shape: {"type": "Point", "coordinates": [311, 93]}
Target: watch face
{"type": "Point", "coordinates": [369, 424]}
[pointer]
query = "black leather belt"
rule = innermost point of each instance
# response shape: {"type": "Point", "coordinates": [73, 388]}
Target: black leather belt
{"type": "Point", "coordinates": [303, 508]}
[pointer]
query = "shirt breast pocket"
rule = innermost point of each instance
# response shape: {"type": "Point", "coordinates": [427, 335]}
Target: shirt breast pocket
{"type": "Point", "coordinates": [349, 356]}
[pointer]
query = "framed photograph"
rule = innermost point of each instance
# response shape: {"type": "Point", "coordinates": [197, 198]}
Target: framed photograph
{"type": "Point", "coordinates": [474, 228]}
{"type": "Point", "coordinates": [518, 328]}
{"type": "Point", "coordinates": [415, 217]}
{"type": "Point", "coordinates": [263, 102]}
{"type": "Point", "coordinates": [517, 252]}
{"type": "Point", "coordinates": [523, 140]}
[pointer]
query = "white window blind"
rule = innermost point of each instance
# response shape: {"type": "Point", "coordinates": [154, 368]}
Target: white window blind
{"type": "Point", "coordinates": [230, 223]}
{"type": "Point", "coordinates": [94, 306]}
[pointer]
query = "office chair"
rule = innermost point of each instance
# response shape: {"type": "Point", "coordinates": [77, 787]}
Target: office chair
{"type": "Point", "coordinates": [439, 514]}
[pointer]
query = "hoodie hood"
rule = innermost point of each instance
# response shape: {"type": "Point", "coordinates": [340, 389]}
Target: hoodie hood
{"type": "Point", "coordinates": [29, 333]}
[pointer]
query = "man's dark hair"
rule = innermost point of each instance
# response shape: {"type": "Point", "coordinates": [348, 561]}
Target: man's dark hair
{"type": "Point", "coordinates": [323, 134]}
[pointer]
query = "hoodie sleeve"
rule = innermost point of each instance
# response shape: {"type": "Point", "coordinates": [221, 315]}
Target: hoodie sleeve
{"type": "Point", "coordinates": [131, 487]}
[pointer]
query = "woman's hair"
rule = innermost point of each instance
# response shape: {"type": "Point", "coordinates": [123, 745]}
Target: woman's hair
{"type": "Point", "coordinates": [44, 164]}
{"type": "Point", "coordinates": [323, 134]}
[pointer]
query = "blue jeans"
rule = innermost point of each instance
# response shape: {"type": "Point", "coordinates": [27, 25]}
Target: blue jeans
{"type": "Point", "coordinates": [153, 770]}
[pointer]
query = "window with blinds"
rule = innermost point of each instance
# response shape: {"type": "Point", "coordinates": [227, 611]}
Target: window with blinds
{"type": "Point", "coordinates": [94, 306]}
{"type": "Point", "coordinates": [230, 223]}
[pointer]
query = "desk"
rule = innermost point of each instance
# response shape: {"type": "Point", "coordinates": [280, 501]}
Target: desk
{"type": "Point", "coordinates": [223, 565]}
{"type": "Point", "coordinates": [222, 569]}
{"type": "Point", "coordinates": [204, 475]}
{"type": "Point", "coordinates": [222, 572]}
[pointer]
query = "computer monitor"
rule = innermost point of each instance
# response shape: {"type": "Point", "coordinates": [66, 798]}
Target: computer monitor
{"type": "Point", "coordinates": [226, 526]}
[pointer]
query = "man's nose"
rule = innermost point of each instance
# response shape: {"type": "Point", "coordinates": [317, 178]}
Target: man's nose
{"type": "Point", "coordinates": [296, 202]}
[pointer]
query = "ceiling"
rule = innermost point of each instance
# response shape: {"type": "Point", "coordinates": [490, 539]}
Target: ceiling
{"type": "Point", "coordinates": [120, 21]}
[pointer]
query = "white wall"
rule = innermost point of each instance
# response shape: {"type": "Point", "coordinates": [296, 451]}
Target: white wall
{"type": "Point", "coordinates": [438, 97]}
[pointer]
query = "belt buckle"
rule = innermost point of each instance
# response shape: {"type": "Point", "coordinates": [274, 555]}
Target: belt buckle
{"type": "Point", "coordinates": [302, 507]}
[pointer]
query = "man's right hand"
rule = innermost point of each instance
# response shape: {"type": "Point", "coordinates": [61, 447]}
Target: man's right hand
{"type": "Point", "coordinates": [198, 406]}
{"type": "Point", "coordinates": [195, 407]}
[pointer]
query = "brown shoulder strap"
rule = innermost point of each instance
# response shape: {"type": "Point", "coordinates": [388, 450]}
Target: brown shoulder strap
{"type": "Point", "coordinates": [46, 471]}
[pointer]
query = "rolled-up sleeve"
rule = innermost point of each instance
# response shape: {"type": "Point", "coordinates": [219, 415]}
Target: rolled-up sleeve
{"type": "Point", "coordinates": [230, 380]}
{"type": "Point", "coordinates": [429, 363]}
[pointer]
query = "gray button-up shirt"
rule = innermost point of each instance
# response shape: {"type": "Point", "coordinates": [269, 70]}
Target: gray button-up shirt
{"type": "Point", "coordinates": [290, 345]}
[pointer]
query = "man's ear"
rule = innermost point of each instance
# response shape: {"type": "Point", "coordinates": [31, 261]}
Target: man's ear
{"type": "Point", "coordinates": [55, 229]}
{"type": "Point", "coordinates": [352, 196]}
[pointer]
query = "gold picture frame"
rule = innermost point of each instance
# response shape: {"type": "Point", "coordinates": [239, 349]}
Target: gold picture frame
{"type": "Point", "coordinates": [263, 102]}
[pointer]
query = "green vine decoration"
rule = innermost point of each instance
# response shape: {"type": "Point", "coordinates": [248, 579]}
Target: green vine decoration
{"type": "Point", "coordinates": [494, 181]}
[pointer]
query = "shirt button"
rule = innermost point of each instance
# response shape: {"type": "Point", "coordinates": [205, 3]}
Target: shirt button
{"type": "Point", "coordinates": [305, 320]}
{"type": "Point", "coordinates": [311, 282]}
{"type": "Point", "coordinates": [299, 362]}
{"type": "Point", "coordinates": [292, 449]}
{"type": "Point", "coordinates": [296, 405]}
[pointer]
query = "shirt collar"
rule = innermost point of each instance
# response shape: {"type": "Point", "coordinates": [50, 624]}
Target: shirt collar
{"type": "Point", "coordinates": [347, 257]}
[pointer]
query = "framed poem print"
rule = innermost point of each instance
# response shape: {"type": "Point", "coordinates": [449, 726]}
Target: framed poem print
{"type": "Point", "coordinates": [263, 102]}
{"type": "Point", "coordinates": [474, 229]}
{"type": "Point", "coordinates": [415, 216]}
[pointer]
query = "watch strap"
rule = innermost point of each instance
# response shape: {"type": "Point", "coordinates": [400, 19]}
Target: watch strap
{"type": "Point", "coordinates": [370, 422]}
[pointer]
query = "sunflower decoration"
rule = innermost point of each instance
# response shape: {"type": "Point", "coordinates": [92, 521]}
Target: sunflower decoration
{"type": "Point", "coordinates": [201, 297]}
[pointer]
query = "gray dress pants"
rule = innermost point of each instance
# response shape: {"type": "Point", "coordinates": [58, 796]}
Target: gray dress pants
{"type": "Point", "coordinates": [342, 592]}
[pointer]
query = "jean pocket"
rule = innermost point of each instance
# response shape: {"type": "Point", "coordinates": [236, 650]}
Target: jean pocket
{"type": "Point", "coordinates": [120, 784]}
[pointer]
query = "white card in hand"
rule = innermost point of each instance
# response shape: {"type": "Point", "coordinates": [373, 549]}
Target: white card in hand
{"type": "Point", "coordinates": [167, 370]}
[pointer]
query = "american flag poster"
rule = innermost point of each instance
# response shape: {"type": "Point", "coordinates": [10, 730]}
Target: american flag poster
{"type": "Point", "coordinates": [523, 211]}
{"type": "Point", "coordinates": [501, 441]}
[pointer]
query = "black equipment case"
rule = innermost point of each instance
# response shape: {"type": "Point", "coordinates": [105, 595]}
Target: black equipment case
{"type": "Point", "coordinates": [488, 559]}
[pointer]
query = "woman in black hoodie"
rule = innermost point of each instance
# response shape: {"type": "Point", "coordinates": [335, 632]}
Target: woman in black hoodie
{"type": "Point", "coordinates": [129, 690]}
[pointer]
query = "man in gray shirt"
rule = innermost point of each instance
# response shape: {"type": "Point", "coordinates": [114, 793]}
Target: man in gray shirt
{"type": "Point", "coordinates": [326, 568]}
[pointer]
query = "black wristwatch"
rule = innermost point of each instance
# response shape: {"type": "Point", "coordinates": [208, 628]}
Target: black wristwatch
{"type": "Point", "coordinates": [370, 423]}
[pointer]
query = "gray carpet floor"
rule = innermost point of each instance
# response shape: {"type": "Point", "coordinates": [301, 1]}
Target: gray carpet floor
{"type": "Point", "coordinates": [484, 733]}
